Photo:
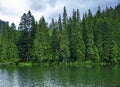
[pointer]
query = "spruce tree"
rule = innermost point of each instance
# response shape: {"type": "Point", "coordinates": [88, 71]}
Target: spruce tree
{"type": "Point", "coordinates": [77, 46]}
{"type": "Point", "coordinates": [9, 50]}
{"type": "Point", "coordinates": [27, 29]}
{"type": "Point", "coordinates": [41, 47]}
{"type": "Point", "coordinates": [91, 49]}
{"type": "Point", "coordinates": [64, 40]}
{"type": "Point", "coordinates": [55, 41]}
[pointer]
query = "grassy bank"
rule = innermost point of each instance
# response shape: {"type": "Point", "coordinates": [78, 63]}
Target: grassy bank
{"type": "Point", "coordinates": [29, 64]}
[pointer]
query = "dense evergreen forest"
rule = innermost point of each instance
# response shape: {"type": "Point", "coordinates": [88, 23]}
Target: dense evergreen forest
{"type": "Point", "coordinates": [94, 38]}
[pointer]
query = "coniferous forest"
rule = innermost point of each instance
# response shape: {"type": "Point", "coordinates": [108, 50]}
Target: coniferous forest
{"type": "Point", "coordinates": [94, 38]}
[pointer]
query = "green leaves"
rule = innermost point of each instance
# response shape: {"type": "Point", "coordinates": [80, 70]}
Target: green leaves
{"type": "Point", "coordinates": [95, 38]}
{"type": "Point", "coordinates": [9, 50]}
{"type": "Point", "coordinates": [41, 46]}
{"type": "Point", "coordinates": [27, 30]}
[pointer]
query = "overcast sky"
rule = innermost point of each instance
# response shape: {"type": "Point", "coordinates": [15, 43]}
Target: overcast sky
{"type": "Point", "coordinates": [12, 10]}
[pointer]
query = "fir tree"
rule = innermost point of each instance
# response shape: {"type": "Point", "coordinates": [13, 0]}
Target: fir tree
{"type": "Point", "coordinates": [27, 29]}
{"type": "Point", "coordinates": [41, 45]}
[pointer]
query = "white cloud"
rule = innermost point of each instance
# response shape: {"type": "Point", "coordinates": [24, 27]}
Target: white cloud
{"type": "Point", "coordinates": [12, 10]}
{"type": "Point", "coordinates": [14, 7]}
{"type": "Point", "coordinates": [11, 19]}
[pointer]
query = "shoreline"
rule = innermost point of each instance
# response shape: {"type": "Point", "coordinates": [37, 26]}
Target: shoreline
{"type": "Point", "coordinates": [76, 64]}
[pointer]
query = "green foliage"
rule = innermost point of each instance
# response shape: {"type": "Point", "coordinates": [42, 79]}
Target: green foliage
{"type": "Point", "coordinates": [55, 41]}
{"type": "Point", "coordinates": [67, 41]}
{"type": "Point", "coordinates": [64, 51]}
{"type": "Point", "coordinates": [64, 47]}
{"type": "Point", "coordinates": [27, 30]}
{"type": "Point", "coordinates": [77, 46]}
{"type": "Point", "coordinates": [91, 49]}
{"type": "Point", "coordinates": [41, 47]}
{"type": "Point", "coordinates": [9, 50]}
{"type": "Point", "coordinates": [22, 64]}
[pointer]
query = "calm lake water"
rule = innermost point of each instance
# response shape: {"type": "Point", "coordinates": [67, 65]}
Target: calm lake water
{"type": "Point", "coordinates": [96, 76]}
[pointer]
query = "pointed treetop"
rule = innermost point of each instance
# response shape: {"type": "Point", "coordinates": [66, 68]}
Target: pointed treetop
{"type": "Point", "coordinates": [53, 23]}
{"type": "Point", "coordinates": [78, 15]}
{"type": "Point", "coordinates": [74, 14]}
{"type": "Point", "coordinates": [13, 26]}
{"type": "Point", "coordinates": [89, 13]}
{"type": "Point", "coordinates": [29, 12]}
{"type": "Point", "coordinates": [98, 11]}
{"type": "Point", "coordinates": [59, 18]}
{"type": "Point", "coordinates": [64, 14]}
{"type": "Point", "coordinates": [64, 11]}
{"type": "Point", "coordinates": [42, 19]}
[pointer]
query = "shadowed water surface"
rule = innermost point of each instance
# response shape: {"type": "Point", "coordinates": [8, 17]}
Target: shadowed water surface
{"type": "Point", "coordinates": [96, 76]}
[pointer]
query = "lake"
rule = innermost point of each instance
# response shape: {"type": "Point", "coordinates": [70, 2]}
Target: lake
{"type": "Point", "coordinates": [83, 76]}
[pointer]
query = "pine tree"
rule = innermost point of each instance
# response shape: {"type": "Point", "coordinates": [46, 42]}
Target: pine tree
{"type": "Point", "coordinates": [98, 32]}
{"type": "Point", "coordinates": [27, 29]}
{"type": "Point", "coordinates": [55, 41]}
{"type": "Point", "coordinates": [41, 45]}
{"type": "Point", "coordinates": [77, 46]}
{"type": "Point", "coordinates": [64, 40]}
{"type": "Point", "coordinates": [109, 44]}
{"type": "Point", "coordinates": [64, 17]}
{"type": "Point", "coordinates": [59, 23]}
{"type": "Point", "coordinates": [9, 50]}
{"type": "Point", "coordinates": [64, 47]}
{"type": "Point", "coordinates": [91, 49]}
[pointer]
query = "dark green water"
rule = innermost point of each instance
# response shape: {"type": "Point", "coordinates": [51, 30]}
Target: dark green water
{"type": "Point", "coordinates": [105, 76]}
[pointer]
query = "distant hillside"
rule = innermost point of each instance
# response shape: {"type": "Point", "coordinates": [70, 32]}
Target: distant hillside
{"type": "Point", "coordinates": [2, 24]}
